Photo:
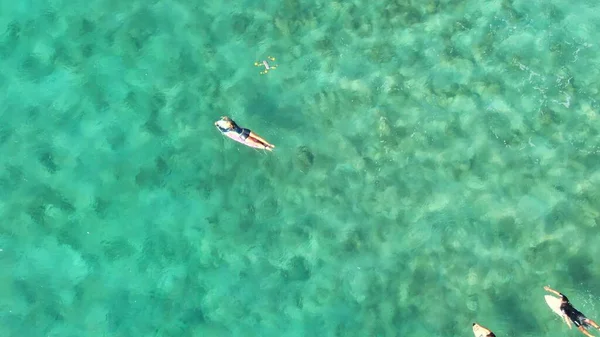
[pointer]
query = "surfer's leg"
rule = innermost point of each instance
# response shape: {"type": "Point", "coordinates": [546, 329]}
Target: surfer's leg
{"type": "Point", "coordinates": [254, 142]}
{"type": "Point", "coordinates": [592, 323]}
{"type": "Point", "coordinates": [585, 332]}
{"type": "Point", "coordinates": [261, 140]}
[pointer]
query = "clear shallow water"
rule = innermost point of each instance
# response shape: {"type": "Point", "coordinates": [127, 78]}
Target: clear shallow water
{"type": "Point", "coordinates": [436, 164]}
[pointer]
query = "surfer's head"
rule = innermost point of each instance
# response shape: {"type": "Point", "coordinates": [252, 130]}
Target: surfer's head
{"type": "Point", "coordinates": [224, 123]}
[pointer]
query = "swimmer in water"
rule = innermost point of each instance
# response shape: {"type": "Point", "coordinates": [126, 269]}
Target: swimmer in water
{"type": "Point", "coordinates": [230, 129]}
{"type": "Point", "coordinates": [265, 63]}
{"type": "Point", "coordinates": [570, 314]}
{"type": "Point", "coordinates": [480, 331]}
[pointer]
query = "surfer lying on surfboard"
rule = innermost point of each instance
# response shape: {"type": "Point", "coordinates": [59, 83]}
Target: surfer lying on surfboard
{"type": "Point", "coordinates": [480, 331]}
{"type": "Point", "coordinates": [570, 314]}
{"type": "Point", "coordinates": [230, 129]}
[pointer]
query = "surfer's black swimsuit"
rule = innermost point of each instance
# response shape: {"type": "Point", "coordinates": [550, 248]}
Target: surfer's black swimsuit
{"type": "Point", "coordinates": [574, 315]}
{"type": "Point", "coordinates": [244, 133]}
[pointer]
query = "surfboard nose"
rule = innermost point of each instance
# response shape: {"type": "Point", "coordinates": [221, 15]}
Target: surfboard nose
{"type": "Point", "coordinates": [480, 331]}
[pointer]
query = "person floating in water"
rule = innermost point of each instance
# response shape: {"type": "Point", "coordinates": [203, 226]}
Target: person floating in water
{"type": "Point", "coordinates": [230, 129]}
{"type": "Point", "coordinates": [266, 65]}
{"type": "Point", "coordinates": [480, 331]}
{"type": "Point", "coordinates": [570, 314]}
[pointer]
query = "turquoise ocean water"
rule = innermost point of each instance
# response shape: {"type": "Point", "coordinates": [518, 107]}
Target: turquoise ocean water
{"type": "Point", "coordinates": [437, 164]}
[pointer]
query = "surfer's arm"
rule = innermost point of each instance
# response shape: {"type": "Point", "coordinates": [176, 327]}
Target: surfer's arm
{"type": "Point", "coordinates": [585, 332]}
{"type": "Point", "coordinates": [220, 128]}
{"type": "Point", "coordinates": [567, 320]}
{"type": "Point", "coordinates": [547, 288]}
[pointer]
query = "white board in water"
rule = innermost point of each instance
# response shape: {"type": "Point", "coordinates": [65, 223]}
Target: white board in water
{"type": "Point", "coordinates": [554, 304]}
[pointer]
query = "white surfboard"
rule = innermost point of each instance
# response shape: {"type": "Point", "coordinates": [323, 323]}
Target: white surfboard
{"type": "Point", "coordinates": [554, 304]}
{"type": "Point", "coordinates": [481, 331]}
